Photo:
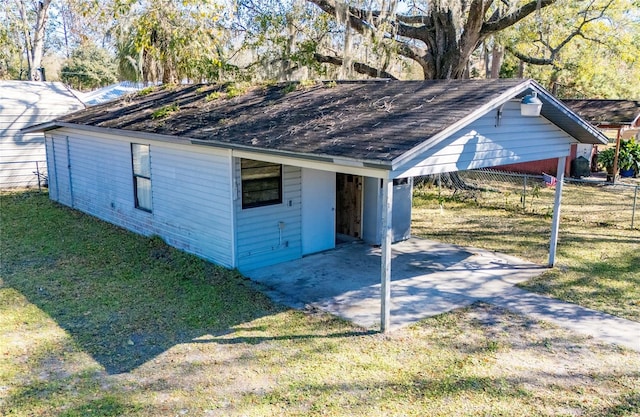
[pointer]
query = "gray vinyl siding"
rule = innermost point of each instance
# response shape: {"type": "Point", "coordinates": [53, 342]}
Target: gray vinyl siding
{"type": "Point", "coordinates": [192, 201]}
{"type": "Point", "coordinates": [260, 242]}
{"type": "Point", "coordinates": [191, 191]}
{"type": "Point", "coordinates": [21, 155]}
{"type": "Point", "coordinates": [483, 144]}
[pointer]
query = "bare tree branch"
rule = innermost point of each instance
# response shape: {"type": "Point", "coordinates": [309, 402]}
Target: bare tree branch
{"type": "Point", "coordinates": [530, 60]}
{"type": "Point", "coordinates": [578, 30]}
{"type": "Point", "coordinates": [359, 67]}
{"type": "Point", "coordinates": [504, 22]}
{"type": "Point", "coordinates": [554, 51]}
{"type": "Point", "coordinates": [358, 20]}
{"type": "Point", "coordinates": [366, 20]}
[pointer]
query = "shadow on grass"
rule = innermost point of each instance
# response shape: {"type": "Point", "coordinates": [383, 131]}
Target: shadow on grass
{"type": "Point", "coordinates": [607, 236]}
{"type": "Point", "coordinates": [504, 394]}
{"type": "Point", "coordinates": [123, 298]}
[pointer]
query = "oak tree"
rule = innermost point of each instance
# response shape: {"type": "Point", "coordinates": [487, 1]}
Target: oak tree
{"type": "Point", "coordinates": [441, 38]}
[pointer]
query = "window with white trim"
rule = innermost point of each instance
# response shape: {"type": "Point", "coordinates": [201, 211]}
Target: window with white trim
{"type": "Point", "coordinates": [141, 161]}
{"type": "Point", "coordinates": [261, 183]}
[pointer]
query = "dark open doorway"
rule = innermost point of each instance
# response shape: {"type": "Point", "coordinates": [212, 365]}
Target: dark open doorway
{"type": "Point", "coordinates": [349, 205]}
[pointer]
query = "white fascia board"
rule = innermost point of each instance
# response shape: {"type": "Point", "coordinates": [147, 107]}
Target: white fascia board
{"type": "Point", "coordinates": [566, 111]}
{"type": "Point", "coordinates": [107, 131]}
{"type": "Point", "coordinates": [41, 127]}
{"type": "Point", "coordinates": [321, 164]}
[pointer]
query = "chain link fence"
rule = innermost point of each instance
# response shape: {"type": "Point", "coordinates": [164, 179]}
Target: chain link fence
{"type": "Point", "coordinates": [23, 174]}
{"type": "Point", "coordinates": [592, 201]}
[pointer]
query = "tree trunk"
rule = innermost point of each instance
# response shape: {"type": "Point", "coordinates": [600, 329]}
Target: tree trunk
{"type": "Point", "coordinates": [497, 53]}
{"type": "Point", "coordinates": [24, 24]}
{"type": "Point", "coordinates": [449, 53]}
{"type": "Point", "coordinates": [521, 69]}
{"type": "Point", "coordinates": [168, 73]}
{"type": "Point", "coordinates": [553, 82]}
{"type": "Point", "coordinates": [34, 46]}
{"type": "Point", "coordinates": [38, 39]}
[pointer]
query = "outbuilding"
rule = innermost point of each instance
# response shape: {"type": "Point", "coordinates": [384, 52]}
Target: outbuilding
{"type": "Point", "coordinates": [253, 177]}
{"type": "Point", "coordinates": [24, 103]}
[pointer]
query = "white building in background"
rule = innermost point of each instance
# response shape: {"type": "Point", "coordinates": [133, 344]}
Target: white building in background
{"type": "Point", "coordinates": [22, 104]}
{"type": "Point", "coordinates": [110, 92]}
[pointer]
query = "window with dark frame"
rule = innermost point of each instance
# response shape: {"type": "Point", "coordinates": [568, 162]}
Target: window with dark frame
{"type": "Point", "coordinates": [261, 183]}
{"type": "Point", "coordinates": [141, 161]}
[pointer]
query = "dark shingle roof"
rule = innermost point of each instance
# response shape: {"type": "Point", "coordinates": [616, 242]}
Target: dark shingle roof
{"type": "Point", "coordinates": [605, 112]}
{"type": "Point", "coordinates": [374, 120]}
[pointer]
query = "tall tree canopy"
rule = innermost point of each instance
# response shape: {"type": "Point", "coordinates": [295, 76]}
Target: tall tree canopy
{"type": "Point", "coordinates": [444, 38]}
{"type": "Point", "coordinates": [168, 40]}
{"type": "Point", "coordinates": [572, 46]}
{"type": "Point", "coordinates": [581, 48]}
{"type": "Point", "coordinates": [440, 36]}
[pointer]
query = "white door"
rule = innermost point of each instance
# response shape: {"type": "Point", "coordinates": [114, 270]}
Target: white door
{"type": "Point", "coordinates": [318, 210]}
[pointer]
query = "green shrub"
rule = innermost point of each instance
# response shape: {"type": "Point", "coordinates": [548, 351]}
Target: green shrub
{"type": "Point", "coordinates": [629, 156]}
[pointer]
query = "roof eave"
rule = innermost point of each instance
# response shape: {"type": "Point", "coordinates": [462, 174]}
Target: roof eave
{"type": "Point", "coordinates": [41, 127]}
{"type": "Point", "coordinates": [53, 125]}
{"type": "Point", "coordinates": [565, 111]}
{"type": "Point", "coordinates": [364, 163]}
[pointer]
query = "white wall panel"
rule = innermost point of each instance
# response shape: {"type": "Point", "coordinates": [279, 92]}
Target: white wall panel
{"type": "Point", "coordinates": [318, 210]}
{"type": "Point", "coordinates": [486, 143]}
{"type": "Point", "coordinates": [191, 190]}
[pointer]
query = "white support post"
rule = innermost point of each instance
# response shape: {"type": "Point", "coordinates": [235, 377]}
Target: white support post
{"type": "Point", "coordinates": [386, 231]}
{"type": "Point", "coordinates": [555, 222]}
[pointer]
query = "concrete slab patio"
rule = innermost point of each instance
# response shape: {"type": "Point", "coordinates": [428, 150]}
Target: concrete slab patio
{"type": "Point", "coordinates": [428, 278]}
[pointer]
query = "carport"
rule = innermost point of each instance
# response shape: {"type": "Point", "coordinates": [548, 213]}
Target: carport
{"type": "Point", "coordinates": [449, 127]}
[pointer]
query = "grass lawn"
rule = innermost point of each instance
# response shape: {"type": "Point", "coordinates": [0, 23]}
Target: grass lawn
{"type": "Point", "coordinates": [96, 321]}
{"type": "Point", "coordinates": [598, 256]}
